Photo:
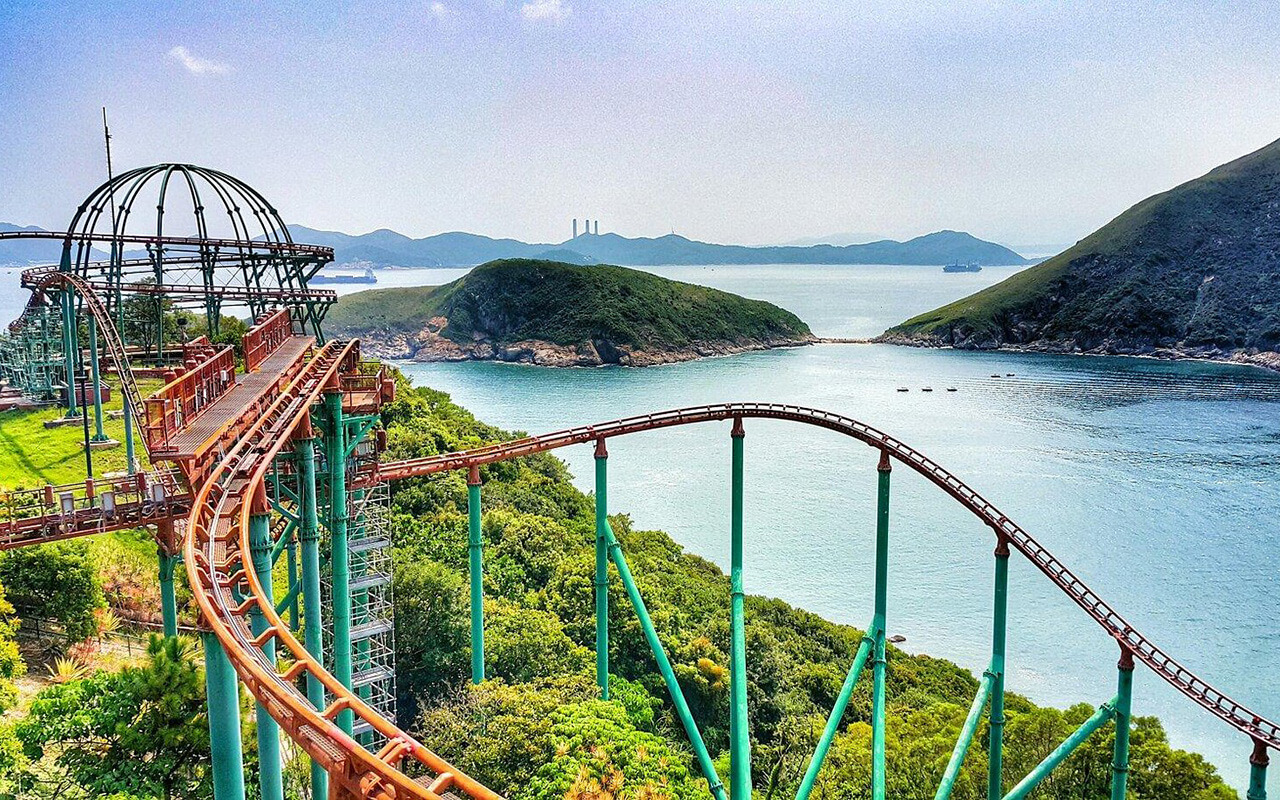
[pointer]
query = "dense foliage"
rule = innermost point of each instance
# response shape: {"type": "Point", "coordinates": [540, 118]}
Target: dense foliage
{"type": "Point", "coordinates": [1195, 268]}
{"type": "Point", "coordinates": [522, 299]}
{"type": "Point", "coordinates": [139, 733]}
{"type": "Point", "coordinates": [538, 730]}
{"type": "Point", "coordinates": [11, 664]}
{"type": "Point", "coordinates": [57, 581]}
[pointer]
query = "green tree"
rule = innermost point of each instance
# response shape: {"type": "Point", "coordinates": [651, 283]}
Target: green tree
{"type": "Point", "coordinates": [59, 581]}
{"type": "Point", "coordinates": [140, 732]}
{"type": "Point", "coordinates": [11, 666]}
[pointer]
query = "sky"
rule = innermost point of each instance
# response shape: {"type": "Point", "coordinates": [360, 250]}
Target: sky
{"type": "Point", "coordinates": [1029, 123]}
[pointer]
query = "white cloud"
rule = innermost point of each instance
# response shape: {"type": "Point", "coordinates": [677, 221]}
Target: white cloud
{"type": "Point", "coordinates": [552, 10]}
{"type": "Point", "coordinates": [196, 65]}
{"type": "Point", "coordinates": [439, 10]}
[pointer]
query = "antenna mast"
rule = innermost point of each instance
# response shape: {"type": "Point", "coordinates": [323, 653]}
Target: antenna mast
{"type": "Point", "coordinates": [106, 135]}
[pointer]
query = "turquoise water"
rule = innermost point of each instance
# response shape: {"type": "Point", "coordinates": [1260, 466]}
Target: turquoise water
{"type": "Point", "coordinates": [1155, 482]}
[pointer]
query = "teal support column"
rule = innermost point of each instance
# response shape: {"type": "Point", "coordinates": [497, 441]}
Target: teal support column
{"type": "Point", "coordinates": [309, 538]}
{"type": "Point", "coordinates": [999, 624]}
{"type": "Point", "coordinates": [168, 600]}
{"type": "Point", "coordinates": [1101, 717]}
{"type": "Point", "coordinates": [1258, 762]}
{"type": "Point", "coordinates": [129, 454]}
{"type": "Point", "coordinates": [664, 667]}
{"type": "Point", "coordinates": [270, 779]}
{"type": "Point", "coordinates": [99, 435]}
{"type": "Point", "coordinates": [1124, 702]}
{"type": "Point", "coordinates": [879, 663]}
{"type": "Point", "coordinates": [223, 693]}
{"type": "Point", "coordinates": [967, 732]}
{"type": "Point", "coordinates": [68, 347]}
{"type": "Point", "coordinates": [291, 564]}
{"type": "Point", "coordinates": [340, 559]}
{"type": "Point", "coordinates": [739, 724]}
{"type": "Point", "coordinates": [602, 569]}
{"type": "Point", "coordinates": [475, 553]}
{"type": "Point", "coordinates": [837, 712]}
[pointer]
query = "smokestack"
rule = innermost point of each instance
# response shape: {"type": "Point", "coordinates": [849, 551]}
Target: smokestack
{"type": "Point", "coordinates": [575, 227]}
{"type": "Point", "coordinates": [597, 230]}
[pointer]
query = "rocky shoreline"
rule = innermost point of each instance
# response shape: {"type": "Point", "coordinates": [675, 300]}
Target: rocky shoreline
{"type": "Point", "coordinates": [1266, 359]}
{"type": "Point", "coordinates": [429, 346]}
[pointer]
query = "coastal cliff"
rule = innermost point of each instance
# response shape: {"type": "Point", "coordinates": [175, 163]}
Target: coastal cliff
{"type": "Point", "coordinates": [1193, 272]}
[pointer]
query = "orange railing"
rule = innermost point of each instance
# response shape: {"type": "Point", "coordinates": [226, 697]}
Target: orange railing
{"type": "Point", "coordinates": [180, 401]}
{"type": "Point", "coordinates": [265, 337]}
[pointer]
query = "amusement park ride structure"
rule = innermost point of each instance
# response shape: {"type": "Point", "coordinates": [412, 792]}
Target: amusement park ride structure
{"type": "Point", "coordinates": [264, 470]}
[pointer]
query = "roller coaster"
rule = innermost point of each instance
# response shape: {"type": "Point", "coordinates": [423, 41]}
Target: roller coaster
{"type": "Point", "coordinates": [265, 455]}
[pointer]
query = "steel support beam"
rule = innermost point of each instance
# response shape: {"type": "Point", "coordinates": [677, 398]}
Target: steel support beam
{"type": "Point", "coordinates": [475, 557]}
{"type": "Point", "coordinates": [965, 739]}
{"type": "Point", "coordinates": [837, 712]}
{"type": "Point", "coordinates": [1105, 713]}
{"type": "Point", "coordinates": [270, 778]}
{"type": "Point", "coordinates": [68, 347]}
{"type": "Point", "coordinates": [223, 694]}
{"type": "Point", "coordinates": [336, 459]}
{"type": "Point", "coordinates": [664, 667]}
{"type": "Point", "coordinates": [999, 627]}
{"type": "Point", "coordinates": [309, 538]}
{"type": "Point", "coordinates": [99, 435]}
{"type": "Point", "coordinates": [168, 600]}
{"type": "Point", "coordinates": [1124, 702]}
{"type": "Point", "coordinates": [602, 569]}
{"type": "Point", "coordinates": [739, 723]}
{"type": "Point", "coordinates": [879, 663]}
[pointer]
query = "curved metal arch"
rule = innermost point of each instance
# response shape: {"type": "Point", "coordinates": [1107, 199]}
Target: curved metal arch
{"type": "Point", "coordinates": [1259, 728]}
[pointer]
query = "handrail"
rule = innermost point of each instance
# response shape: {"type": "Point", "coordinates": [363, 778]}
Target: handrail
{"type": "Point", "coordinates": [1240, 717]}
{"type": "Point", "coordinates": [182, 400]}
{"type": "Point", "coordinates": [266, 337]}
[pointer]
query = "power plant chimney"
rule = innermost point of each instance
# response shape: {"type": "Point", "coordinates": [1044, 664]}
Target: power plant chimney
{"type": "Point", "coordinates": [597, 230]}
{"type": "Point", "coordinates": [575, 227]}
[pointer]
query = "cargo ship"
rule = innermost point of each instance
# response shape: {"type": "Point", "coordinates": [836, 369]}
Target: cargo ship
{"type": "Point", "coordinates": [366, 277]}
{"type": "Point", "coordinates": [972, 266]}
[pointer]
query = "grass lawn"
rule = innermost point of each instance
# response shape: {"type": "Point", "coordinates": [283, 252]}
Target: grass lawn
{"type": "Point", "coordinates": [32, 456]}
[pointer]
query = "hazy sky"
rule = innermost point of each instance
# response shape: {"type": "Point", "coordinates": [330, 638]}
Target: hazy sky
{"type": "Point", "coordinates": [1023, 122]}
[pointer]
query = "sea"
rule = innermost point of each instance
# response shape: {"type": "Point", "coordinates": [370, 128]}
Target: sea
{"type": "Point", "coordinates": [1154, 481]}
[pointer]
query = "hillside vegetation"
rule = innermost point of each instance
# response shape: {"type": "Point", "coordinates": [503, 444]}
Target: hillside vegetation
{"type": "Point", "coordinates": [563, 314]}
{"type": "Point", "coordinates": [1191, 271]}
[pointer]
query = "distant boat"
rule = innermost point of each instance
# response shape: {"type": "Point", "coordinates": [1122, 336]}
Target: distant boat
{"type": "Point", "coordinates": [927, 389]}
{"type": "Point", "coordinates": [972, 266]}
{"type": "Point", "coordinates": [951, 388]}
{"type": "Point", "coordinates": [366, 277]}
{"type": "Point", "coordinates": [903, 389]}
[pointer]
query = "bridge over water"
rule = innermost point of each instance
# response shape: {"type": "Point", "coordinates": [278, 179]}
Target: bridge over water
{"type": "Point", "coordinates": [253, 463]}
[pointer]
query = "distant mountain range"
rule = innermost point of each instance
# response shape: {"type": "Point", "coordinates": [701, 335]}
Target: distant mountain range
{"type": "Point", "coordinates": [388, 248]}
{"type": "Point", "coordinates": [385, 248]}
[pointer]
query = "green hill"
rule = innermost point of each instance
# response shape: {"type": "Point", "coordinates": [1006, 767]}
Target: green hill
{"type": "Point", "coordinates": [1191, 271]}
{"type": "Point", "coordinates": [558, 314]}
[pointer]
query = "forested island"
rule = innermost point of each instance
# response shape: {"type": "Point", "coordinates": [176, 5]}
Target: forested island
{"type": "Point", "coordinates": [1193, 272]}
{"type": "Point", "coordinates": [556, 314]}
